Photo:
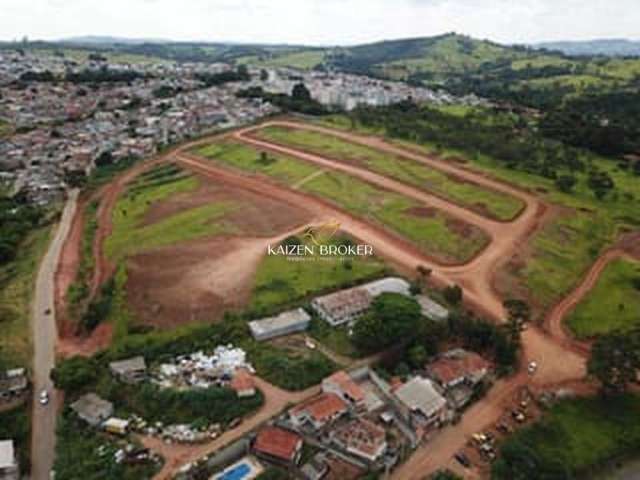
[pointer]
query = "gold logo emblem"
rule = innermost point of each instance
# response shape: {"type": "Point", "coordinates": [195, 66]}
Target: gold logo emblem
{"type": "Point", "coordinates": [321, 234]}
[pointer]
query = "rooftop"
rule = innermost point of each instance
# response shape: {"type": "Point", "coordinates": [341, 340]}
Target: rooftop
{"type": "Point", "coordinates": [457, 364]}
{"type": "Point", "coordinates": [323, 407]}
{"type": "Point", "coordinates": [362, 436]}
{"type": "Point", "coordinates": [129, 365]}
{"type": "Point", "coordinates": [281, 321]}
{"type": "Point", "coordinates": [420, 394]}
{"type": "Point", "coordinates": [277, 442]}
{"type": "Point", "coordinates": [347, 385]}
{"type": "Point", "coordinates": [7, 454]}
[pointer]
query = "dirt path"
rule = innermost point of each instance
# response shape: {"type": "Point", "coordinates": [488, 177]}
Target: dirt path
{"type": "Point", "coordinates": [554, 322]}
{"type": "Point", "coordinates": [275, 401]}
{"type": "Point", "coordinates": [556, 363]}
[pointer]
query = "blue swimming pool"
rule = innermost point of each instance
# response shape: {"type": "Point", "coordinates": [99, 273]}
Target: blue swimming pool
{"type": "Point", "coordinates": [236, 473]}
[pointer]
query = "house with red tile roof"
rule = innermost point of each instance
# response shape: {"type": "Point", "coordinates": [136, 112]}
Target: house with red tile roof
{"type": "Point", "coordinates": [345, 387]}
{"type": "Point", "coordinates": [458, 366]}
{"type": "Point", "coordinates": [318, 411]}
{"type": "Point", "coordinates": [279, 445]}
{"type": "Point", "coordinates": [243, 383]}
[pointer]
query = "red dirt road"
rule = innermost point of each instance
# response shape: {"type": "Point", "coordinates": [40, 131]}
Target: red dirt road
{"type": "Point", "coordinates": [175, 456]}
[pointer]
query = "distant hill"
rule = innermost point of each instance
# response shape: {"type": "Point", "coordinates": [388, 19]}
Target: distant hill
{"type": "Point", "coordinates": [106, 40]}
{"type": "Point", "coordinates": [608, 47]}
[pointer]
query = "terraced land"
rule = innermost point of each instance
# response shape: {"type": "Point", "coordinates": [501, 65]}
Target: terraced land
{"type": "Point", "coordinates": [131, 234]}
{"type": "Point", "coordinates": [614, 303]}
{"type": "Point", "coordinates": [446, 239]}
{"type": "Point", "coordinates": [491, 203]}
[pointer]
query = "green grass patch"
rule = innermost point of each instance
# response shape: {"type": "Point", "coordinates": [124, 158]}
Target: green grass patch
{"type": "Point", "coordinates": [79, 289]}
{"type": "Point", "coordinates": [573, 439]}
{"type": "Point", "coordinates": [335, 339]}
{"type": "Point", "coordinates": [17, 284]}
{"type": "Point", "coordinates": [130, 236]}
{"type": "Point", "coordinates": [614, 303]}
{"type": "Point", "coordinates": [432, 232]}
{"type": "Point", "coordinates": [495, 204]}
{"type": "Point", "coordinates": [304, 60]}
{"type": "Point", "coordinates": [281, 282]}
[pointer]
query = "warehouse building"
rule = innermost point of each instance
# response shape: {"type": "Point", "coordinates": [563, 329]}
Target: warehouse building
{"type": "Point", "coordinates": [285, 323]}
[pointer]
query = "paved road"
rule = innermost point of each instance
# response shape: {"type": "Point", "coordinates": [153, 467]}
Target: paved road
{"type": "Point", "coordinates": [44, 344]}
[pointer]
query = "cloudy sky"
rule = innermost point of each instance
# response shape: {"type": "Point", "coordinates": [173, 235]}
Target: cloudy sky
{"type": "Point", "coordinates": [320, 22]}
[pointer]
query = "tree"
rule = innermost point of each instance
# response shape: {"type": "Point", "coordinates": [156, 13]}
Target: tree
{"type": "Point", "coordinates": [453, 294]}
{"type": "Point", "coordinates": [74, 373]}
{"type": "Point", "coordinates": [600, 183]}
{"type": "Point", "coordinates": [614, 361]}
{"type": "Point", "coordinates": [518, 310]}
{"type": "Point", "coordinates": [301, 93]}
{"type": "Point", "coordinates": [392, 318]}
{"type": "Point", "coordinates": [565, 183]}
{"type": "Point", "coordinates": [264, 75]}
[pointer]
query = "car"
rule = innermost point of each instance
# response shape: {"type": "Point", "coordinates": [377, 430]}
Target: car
{"type": "Point", "coordinates": [47, 311]}
{"type": "Point", "coordinates": [462, 459]}
{"type": "Point", "coordinates": [532, 368]}
{"type": "Point", "coordinates": [44, 397]}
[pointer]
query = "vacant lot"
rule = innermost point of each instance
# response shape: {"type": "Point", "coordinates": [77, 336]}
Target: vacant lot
{"type": "Point", "coordinates": [614, 304]}
{"type": "Point", "coordinates": [281, 281]}
{"type": "Point", "coordinates": [446, 239]}
{"type": "Point", "coordinates": [573, 439]}
{"type": "Point", "coordinates": [488, 202]}
{"type": "Point", "coordinates": [132, 234]}
{"type": "Point", "coordinates": [17, 280]}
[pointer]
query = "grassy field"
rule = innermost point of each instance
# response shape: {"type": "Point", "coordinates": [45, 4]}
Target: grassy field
{"type": "Point", "coordinates": [494, 204]}
{"type": "Point", "coordinates": [280, 281]}
{"type": "Point", "coordinates": [429, 229]}
{"type": "Point", "coordinates": [17, 280]}
{"type": "Point", "coordinates": [575, 437]}
{"type": "Point", "coordinates": [130, 236]}
{"type": "Point", "coordinates": [561, 252]}
{"type": "Point", "coordinates": [614, 304]}
{"type": "Point", "coordinates": [79, 289]}
{"type": "Point", "coordinates": [304, 60]}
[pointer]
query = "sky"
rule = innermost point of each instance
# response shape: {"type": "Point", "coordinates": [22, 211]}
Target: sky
{"type": "Point", "coordinates": [320, 22]}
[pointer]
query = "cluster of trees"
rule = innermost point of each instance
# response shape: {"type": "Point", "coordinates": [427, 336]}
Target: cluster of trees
{"type": "Point", "coordinates": [17, 219]}
{"type": "Point", "coordinates": [103, 75]}
{"type": "Point", "coordinates": [391, 319]}
{"type": "Point", "coordinates": [299, 101]}
{"type": "Point", "coordinates": [241, 74]}
{"type": "Point", "coordinates": [502, 137]}
{"type": "Point", "coordinates": [615, 361]}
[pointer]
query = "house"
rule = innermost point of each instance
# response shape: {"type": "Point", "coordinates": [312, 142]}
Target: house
{"type": "Point", "coordinates": [278, 445]}
{"type": "Point", "coordinates": [9, 468]}
{"type": "Point", "coordinates": [458, 366]}
{"type": "Point", "coordinates": [342, 307]}
{"type": "Point", "coordinates": [131, 370]}
{"type": "Point", "coordinates": [318, 411]}
{"type": "Point", "coordinates": [243, 384]}
{"type": "Point", "coordinates": [285, 323]}
{"type": "Point", "coordinates": [92, 409]}
{"type": "Point", "coordinates": [345, 387]}
{"type": "Point", "coordinates": [362, 438]}
{"type": "Point", "coordinates": [13, 383]}
{"type": "Point", "coordinates": [432, 310]}
{"type": "Point", "coordinates": [423, 402]}
{"type": "Point", "coordinates": [346, 306]}
{"type": "Point", "coordinates": [316, 468]}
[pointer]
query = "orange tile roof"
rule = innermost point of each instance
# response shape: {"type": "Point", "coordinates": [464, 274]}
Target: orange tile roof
{"type": "Point", "coordinates": [347, 385]}
{"type": "Point", "coordinates": [447, 369]}
{"type": "Point", "coordinates": [242, 380]}
{"type": "Point", "coordinates": [278, 443]}
{"type": "Point", "coordinates": [323, 407]}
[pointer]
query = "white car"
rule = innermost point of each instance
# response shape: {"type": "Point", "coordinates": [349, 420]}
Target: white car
{"type": "Point", "coordinates": [533, 366]}
{"type": "Point", "coordinates": [44, 397]}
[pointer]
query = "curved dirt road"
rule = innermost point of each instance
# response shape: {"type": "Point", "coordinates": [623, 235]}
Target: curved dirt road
{"type": "Point", "coordinates": [275, 401]}
{"type": "Point", "coordinates": [554, 322]}
{"type": "Point", "coordinates": [44, 343]}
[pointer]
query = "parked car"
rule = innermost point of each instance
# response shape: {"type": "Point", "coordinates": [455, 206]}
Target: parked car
{"type": "Point", "coordinates": [532, 368]}
{"type": "Point", "coordinates": [44, 397]}
{"type": "Point", "coordinates": [462, 459]}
